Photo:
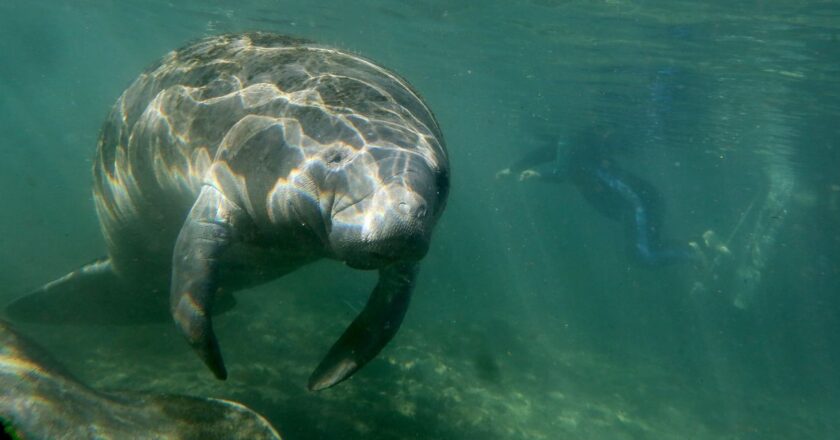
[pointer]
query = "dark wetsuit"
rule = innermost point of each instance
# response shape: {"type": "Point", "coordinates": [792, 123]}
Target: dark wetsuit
{"type": "Point", "coordinates": [612, 191]}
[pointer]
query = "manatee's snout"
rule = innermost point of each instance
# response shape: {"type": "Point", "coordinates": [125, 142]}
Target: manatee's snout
{"type": "Point", "coordinates": [401, 229]}
{"type": "Point", "coordinates": [392, 223]}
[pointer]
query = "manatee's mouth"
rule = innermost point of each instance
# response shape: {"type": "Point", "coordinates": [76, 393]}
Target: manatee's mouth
{"type": "Point", "coordinates": [383, 253]}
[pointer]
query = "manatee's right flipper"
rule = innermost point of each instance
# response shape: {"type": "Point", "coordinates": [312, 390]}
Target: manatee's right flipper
{"type": "Point", "coordinates": [208, 231]}
{"type": "Point", "coordinates": [371, 330]}
{"type": "Point", "coordinates": [93, 294]}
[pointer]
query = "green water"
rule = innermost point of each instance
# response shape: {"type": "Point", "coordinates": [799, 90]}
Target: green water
{"type": "Point", "coordinates": [530, 320]}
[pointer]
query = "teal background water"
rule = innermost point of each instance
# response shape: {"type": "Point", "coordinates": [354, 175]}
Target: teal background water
{"type": "Point", "coordinates": [529, 321]}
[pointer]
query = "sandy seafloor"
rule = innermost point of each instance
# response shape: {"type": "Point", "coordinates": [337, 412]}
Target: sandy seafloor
{"type": "Point", "coordinates": [529, 321]}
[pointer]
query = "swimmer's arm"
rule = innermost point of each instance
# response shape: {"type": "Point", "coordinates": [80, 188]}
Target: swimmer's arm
{"type": "Point", "coordinates": [535, 158]}
{"type": "Point", "coordinates": [525, 168]}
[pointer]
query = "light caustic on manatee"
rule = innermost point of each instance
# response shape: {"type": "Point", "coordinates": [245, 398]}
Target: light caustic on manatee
{"type": "Point", "coordinates": [239, 158]}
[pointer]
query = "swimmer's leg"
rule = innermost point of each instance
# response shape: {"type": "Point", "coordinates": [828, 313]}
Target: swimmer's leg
{"type": "Point", "coordinates": [650, 251]}
{"type": "Point", "coordinates": [646, 245]}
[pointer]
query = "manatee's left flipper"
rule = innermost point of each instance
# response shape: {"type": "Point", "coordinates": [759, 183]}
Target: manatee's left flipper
{"type": "Point", "coordinates": [371, 330]}
{"type": "Point", "coordinates": [208, 231]}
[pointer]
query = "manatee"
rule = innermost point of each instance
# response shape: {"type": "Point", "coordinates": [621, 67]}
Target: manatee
{"type": "Point", "coordinates": [240, 158]}
{"type": "Point", "coordinates": [40, 400]}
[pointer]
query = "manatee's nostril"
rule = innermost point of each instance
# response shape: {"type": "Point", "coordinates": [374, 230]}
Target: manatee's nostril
{"type": "Point", "coordinates": [415, 209]}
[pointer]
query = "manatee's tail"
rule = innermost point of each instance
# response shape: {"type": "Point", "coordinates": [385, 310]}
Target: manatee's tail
{"type": "Point", "coordinates": [95, 294]}
{"type": "Point", "coordinates": [92, 294]}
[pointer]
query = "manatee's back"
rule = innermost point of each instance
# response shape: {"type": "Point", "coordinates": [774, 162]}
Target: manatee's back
{"type": "Point", "coordinates": [39, 400]}
{"type": "Point", "coordinates": [164, 131]}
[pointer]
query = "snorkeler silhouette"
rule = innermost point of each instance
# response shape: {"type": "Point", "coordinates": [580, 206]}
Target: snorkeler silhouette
{"type": "Point", "coordinates": [612, 191]}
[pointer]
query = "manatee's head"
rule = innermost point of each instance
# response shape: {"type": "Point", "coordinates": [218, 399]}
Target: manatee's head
{"type": "Point", "coordinates": [386, 201]}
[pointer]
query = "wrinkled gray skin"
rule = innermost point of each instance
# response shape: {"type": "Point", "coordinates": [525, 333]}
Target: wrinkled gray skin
{"type": "Point", "coordinates": [40, 401]}
{"type": "Point", "coordinates": [240, 158]}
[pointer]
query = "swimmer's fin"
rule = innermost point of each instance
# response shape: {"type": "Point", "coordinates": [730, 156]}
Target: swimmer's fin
{"type": "Point", "coordinates": [371, 330]}
{"type": "Point", "coordinates": [92, 294]}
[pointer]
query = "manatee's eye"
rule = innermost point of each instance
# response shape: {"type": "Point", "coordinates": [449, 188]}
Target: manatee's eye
{"type": "Point", "coordinates": [337, 157]}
